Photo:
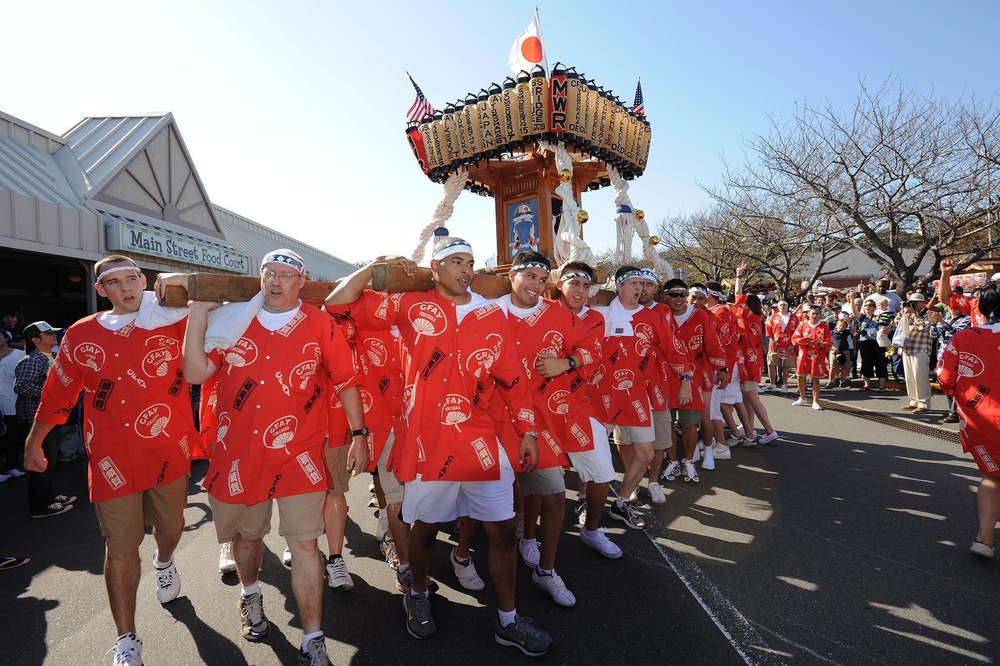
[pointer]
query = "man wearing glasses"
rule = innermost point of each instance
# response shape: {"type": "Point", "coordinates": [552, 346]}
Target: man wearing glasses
{"type": "Point", "coordinates": [272, 409]}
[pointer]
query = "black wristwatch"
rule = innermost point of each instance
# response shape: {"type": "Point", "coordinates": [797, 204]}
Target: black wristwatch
{"type": "Point", "coordinates": [572, 363]}
{"type": "Point", "coordinates": [364, 432]}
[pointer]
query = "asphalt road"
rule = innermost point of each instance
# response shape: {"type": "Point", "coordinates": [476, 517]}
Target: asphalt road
{"type": "Point", "coordinates": [845, 542]}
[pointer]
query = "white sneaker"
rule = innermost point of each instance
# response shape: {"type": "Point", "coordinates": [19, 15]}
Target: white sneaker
{"type": "Point", "coordinates": [733, 440]}
{"type": "Point", "coordinates": [467, 575]}
{"type": "Point", "coordinates": [599, 541]}
{"type": "Point", "coordinates": [286, 557]}
{"type": "Point", "coordinates": [656, 495]}
{"type": "Point", "coordinates": [699, 447]}
{"type": "Point", "coordinates": [554, 585]}
{"type": "Point", "coordinates": [769, 437]}
{"type": "Point", "coordinates": [383, 525]}
{"type": "Point", "coordinates": [817, 407]}
{"type": "Point", "coordinates": [168, 583]}
{"type": "Point", "coordinates": [709, 461]}
{"type": "Point", "coordinates": [226, 562]}
{"type": "Point", "coordinates": [671, 471]}
{"type": "Point", "coordinates": [721, 452]}
{"type": "Point", "coordinates": [784, 388]}
{"type": "Point", "coordinates": [127, 651]}
{"type": "Point", "coordinates": [741, 432]}
{"type": "Point", "coordinates": [529, 551]}
{"type": "Point", "coordinates": [371, 487]}
{"type": "Point", "coordinates": [690, 473]}
{"type": "Point", "coordinates": [336, 572]}
{"type": "Point", "coordinates": [799, 402]}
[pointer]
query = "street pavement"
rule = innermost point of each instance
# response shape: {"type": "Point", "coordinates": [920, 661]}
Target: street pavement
{"type": "Point", "coordinates": [845, 542]}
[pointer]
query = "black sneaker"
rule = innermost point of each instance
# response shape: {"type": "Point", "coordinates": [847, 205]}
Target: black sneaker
{"type": "Point", "coordinates": [63, 499]}
{"type": "Point", "coordinates": [581, 510]}
{"type": "Point", "coordinates": [523, 635]}
{"type": "Point", "coordinates": [626, 513]}
{"type": "Point", "coordinates": [53, 509]}
{"type": "Point", "coordinates": [314, 653]}
{"type": "Point", "coordinates": [419, 622]}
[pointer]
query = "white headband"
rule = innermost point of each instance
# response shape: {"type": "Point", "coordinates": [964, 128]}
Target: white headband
{"type": "Point", "coordinates": [114, 269]}
{"type": "Point", "coordinates": [287, 257]}
{"type": "Point", "coordinates": [451, 248]}
{"type": "Point", "coordinates": [628, 276]}
{"type": "Point", "coordinates": [648, 274]}
{"type": "Point", "coordinates": [718, 294]}
{"type": "Point", "coordinates": [578, 274]}
{"type": "Point", "coordinates": [697, 290]}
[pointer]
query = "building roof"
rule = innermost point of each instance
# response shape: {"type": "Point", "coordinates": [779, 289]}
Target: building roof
{"type": "Point", "coordinates": [29, 170]}
{"type": "Point", "coordinates": [257, 240]}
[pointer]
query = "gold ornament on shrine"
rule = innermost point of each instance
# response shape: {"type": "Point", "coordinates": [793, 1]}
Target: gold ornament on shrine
{"type": "Point", "coordinates": [565, 175]}
{"type": "Point", "coordinates": [639, 214]}
{"type": "Point", "coordinates": [653, 240]}
{"type": "Point", "coordinates": [582, 216]}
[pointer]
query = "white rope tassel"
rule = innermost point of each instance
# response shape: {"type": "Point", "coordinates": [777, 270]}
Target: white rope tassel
{"type": "Point", "coordinates": [452, 188]}
{"type": "Point", "coordinates": [569, 246]}
{"type": "Point", "coordinates": [628, 225]}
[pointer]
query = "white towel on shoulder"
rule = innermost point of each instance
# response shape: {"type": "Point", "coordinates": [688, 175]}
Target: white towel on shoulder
{"type": "Point", "coordinates": [152, 315]}
{"type": "Point", "coordinates": [617, 320]}
{"type": "Point", "coordinates": [228, 323]}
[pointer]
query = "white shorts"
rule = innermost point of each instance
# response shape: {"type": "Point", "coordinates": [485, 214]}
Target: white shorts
{"type": "Point", "coordinates": [441, 501]}
{"type": "Point", "coordinates": [391, 488]}
{"type": "Point", "coordinates": [732, 394]}
{"type": "Point", "coordinates": [594, 465]}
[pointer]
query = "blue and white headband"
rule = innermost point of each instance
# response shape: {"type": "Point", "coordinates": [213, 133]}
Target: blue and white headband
{"type": "Point", "coordinates": [718, 294]}
{"type": "Point", "coordinates": [284, 256]}
{"type": "Point", "coordinates": [529, 264]}
{"type": "Point", "coordinates": [648, 274]}
{"type": "Point", "coordinates": [628, 276]}
{"type": "Point", "coordinates": [451, 248]}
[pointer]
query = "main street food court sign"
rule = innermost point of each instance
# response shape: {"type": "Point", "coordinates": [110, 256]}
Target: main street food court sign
{"type": "Point", "coordinates": [144, 239]}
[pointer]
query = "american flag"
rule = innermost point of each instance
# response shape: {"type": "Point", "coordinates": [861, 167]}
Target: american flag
{"type": "Point", "coordinates": [638, 105]}
{"type": "Point", "coordinates": [421, 107]}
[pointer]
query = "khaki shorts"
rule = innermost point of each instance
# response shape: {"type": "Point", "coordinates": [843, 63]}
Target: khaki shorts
{"type": "Point", "coordinates": [300, 518]}
{"type": "Point", "coordinates": [663, 430]}
{"type": "Point", "coordinates": [833, 359]}
{"type": "Point", "coordinates": [549, 481]}
{"type": "Point", "coordinates": [628, 435]}
{"type": "Point", "coordinates": [391, 488]}
{"type": "Point", "coordinates": [123, 520]}
{"type": "Point", "coordinates": [336, 465]}
{"type": "Point", "coordinates": [774, 360]}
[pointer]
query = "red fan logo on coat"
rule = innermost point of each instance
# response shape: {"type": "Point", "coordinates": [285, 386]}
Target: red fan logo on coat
{"type": "Point", "coordinates": [280, 433]}
{"type": "Point", "coordinates": [244, 352]}
{"type": "Point", "coordinates": [480, 362]}
{"type": "Point", "coordinates": [622, 380]}
{"type": "Point", "coordinates": [153, 421]}
{"type": "Point", "coordinates": [557, 402]}
{"type": "Point", "coordinates": [970, 365]}
{"type": "Point", "coordinates": [376, 352]}
{"type": "Point", "coordinates": [457, 409]}
{"type": "Point", "coordinates": [89, 355]}
{"type": "Point", "coordinates": [427, 319]}
{"type": "Point", "coordinates": [552, 343]}
{"type": "Point", "coordinates": [644, 336]}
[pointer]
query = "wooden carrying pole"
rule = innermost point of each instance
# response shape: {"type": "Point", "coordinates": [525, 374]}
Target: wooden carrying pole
{"type": "Point", "coordinates": [392, 279]}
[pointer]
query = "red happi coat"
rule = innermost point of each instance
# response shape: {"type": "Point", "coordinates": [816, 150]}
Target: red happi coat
{"type": "Point", "coordinates": [622, 389]}
{"type": "Point", "coordinates": [732, 339]}
{"type": "Point", "coordinates": [451, 370]}
{"type": "Point", "coordinates": [700, 337]}
{"type": "Point", "coordinates": [272, 408]}
{"type": "Point", "coordinates": [752, 327]}
{"type": "Point", "coordinates": [781, 339]}
{"type": "Point", "coordinates": [563, 422]}
{"type": "Point", "coordinates": [138, 425]}
{"type": "Point", "coordinates": [967, 371]}
{"type": "Point", "coordinates": [381, 389]}
{"type": "Point", "coordinates": [813, 342]}
{"type": "Point", "coordinates": [967, 305]}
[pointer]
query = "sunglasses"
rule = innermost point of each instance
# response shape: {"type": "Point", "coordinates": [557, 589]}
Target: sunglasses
{"type": "Point", "coordinates": [676, 294]}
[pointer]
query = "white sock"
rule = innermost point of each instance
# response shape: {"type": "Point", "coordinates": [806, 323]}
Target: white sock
{"type": "Point", "coordinates": [308, 637]}
{"type": "Point", "coordinates": [506, 617]}
{"type": "Point", "coordinates": [403, 568]}
{"type": "Point", "coordinates": [253, 589]}
{"type": "Point", "coordinates": [161, 565]}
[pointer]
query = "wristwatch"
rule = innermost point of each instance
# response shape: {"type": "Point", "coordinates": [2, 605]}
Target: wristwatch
{"type": "Point", "coordinates": [686, 377]}
{"type": "Point", "coordinates": [533, 433]}
{"type": "Point", "coordinates": [572, 363]}
{"type": "Point", "coordinates": [363, 432]}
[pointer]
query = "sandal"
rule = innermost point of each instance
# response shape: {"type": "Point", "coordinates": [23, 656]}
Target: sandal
{"type": "Point", "coordinates": [12, 562]}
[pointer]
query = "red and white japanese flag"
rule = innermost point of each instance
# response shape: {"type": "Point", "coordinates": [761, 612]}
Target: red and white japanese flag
{"type": "Point", "coordinates": [528, 50]}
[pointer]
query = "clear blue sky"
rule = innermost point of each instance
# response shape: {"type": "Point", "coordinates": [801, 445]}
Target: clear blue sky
{"type": "Point", "coordinates": [294, 112]}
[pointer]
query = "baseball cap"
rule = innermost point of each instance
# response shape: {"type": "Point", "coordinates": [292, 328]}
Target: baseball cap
{"type": "Point", "coordinates": [35, 329]}
{"type": "Point", "coordinates": [917, 296]}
